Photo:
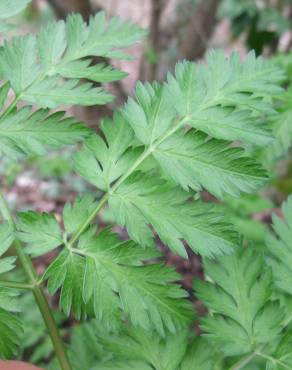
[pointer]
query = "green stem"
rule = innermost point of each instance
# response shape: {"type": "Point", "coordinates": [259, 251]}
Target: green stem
{"type": "Point", "coordinates": [90, 218]}
{"type": "Point", "coordinates": [51, 325]}
{"type": "Point", "coordinates": [244, 361]}
{"type": "Point", "coordinates": [16, 285]}
{"type": "Point", "coordinates": [274, 360]}
{"type": "Point", "coordinates": [258, 352]}
{"type": "Point", "coordinates": [105, 197]}
{"type": "Point", "coordinates": [38, 293]}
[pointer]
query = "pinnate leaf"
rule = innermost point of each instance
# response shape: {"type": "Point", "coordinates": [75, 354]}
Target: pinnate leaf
{"type": "Point", "coordinates": [239, 297]}
{"type": "Point", "coordinates": [143, 200]}
{"type": "Point", "coordinates": [40, 231]}
{"type": "Point", "coordinates": [108, 277]}
{"type": "Point", "coordinates": [10, 325]}
{"type": "Point", "coordinates": [280, 248]}
{"type": "Point", "coordinates": [27, 132]}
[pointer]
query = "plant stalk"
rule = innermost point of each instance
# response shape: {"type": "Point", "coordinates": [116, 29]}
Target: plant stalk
{"type": "Point", "coordinates": [274, 360]}
{"type": "Point", "coordinates": [105, 197]}
{"type": "Point", "coordinates": [244, 361]}
{"type": "Point", "coordinates": [38, 293]}
{"type": "Point", "coordinates": [16, 285]}
{"type": "Point", "coordinates": [247, 359]}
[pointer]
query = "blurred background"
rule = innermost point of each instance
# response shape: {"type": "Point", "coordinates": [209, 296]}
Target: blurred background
{"type": "Point", "coordinates": [178, 29]}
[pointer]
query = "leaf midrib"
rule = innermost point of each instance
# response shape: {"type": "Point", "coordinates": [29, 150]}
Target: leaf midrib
{"type": "Point", "coordinates": [208, 164]}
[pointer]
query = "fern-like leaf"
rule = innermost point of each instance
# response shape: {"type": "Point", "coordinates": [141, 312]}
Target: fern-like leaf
{"type": "Point", "coordinates": [35, 65]}
{"type": "Point", "coordinates": [27, 132]}
{"type": "Point", "coordinates": [107, 266]}
{"type": "Point", "coordinates": [41, 232]}
{"type": "Point", "coordinates": [204, 93]}
{"type": "Point", "coordinates": [190, 158]}
{"type": "Point", "coordinates": [142, 200]}
{"type": "Point", "coordinates": [282, 356]}
{"type": "Point", "coordinates": [280, 249]}
{"type": "Point", "coordinates": [239, 297]}
{"type": "Point", "coordinates": [149, 351]}
{"type": "Point", "coordinates": [159, 136]}
{"type": "Point", "coordinates": [6, 238]}
{"type": "Point", "coordinates": [102, 162]}
{"type": "Point", "coordinates": [105, 275]}
{"type": "Point", "coordinates": [10, 325]}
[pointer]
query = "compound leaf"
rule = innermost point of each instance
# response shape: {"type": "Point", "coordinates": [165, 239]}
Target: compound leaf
{"type": "Point", "coordinates": [27, 132]}
{"type": "Point", "coordinates": [35, 65]}
{"type": "Point", "coordinates": [74, 215]}
{"type": "Point", "coordinates": [146, 348]}
{"type": "Point", "coordinates": [239, 297]}
{"type": "Point", "coordinates": [280, 248]}
{"type": "Point", "coordinates": [190, 158]}
{"type": "Point", "coordinates": [98, 72]}
{"type": "Point", "coordinates": [109, 276]}
{"type": "Point", "coordinates": [10, 326]}
{"type": "Point", "coordinates": [102, 162]}
{"type": "Point", "coordinates": [6, 239]}
{"type": "Point", "coordinates": [143, 200]}
{"type": "Point", "coordinates": [40, 231]}
{"type": "Point", "coordinates": [281, 359]}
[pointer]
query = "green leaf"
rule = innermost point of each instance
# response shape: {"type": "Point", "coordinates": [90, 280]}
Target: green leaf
{"type": "Point", "coordinates": [190, 158]}
{"type": "Point", "coordinates": [161, 112]}
{"type": "Point", "coordinates": [4, 93]}
{"type": "Point", "coordinates": [109, 275]}
{"type": "Point", "coordinates": [99, 38]}
{"type": "Point", "coordinates": [7, 264]}
{"type": "Point", "coordinates": [282, 128]}
{"type": "Point", "coordinates": [40, 231]}
{"type": "Point", "coordinates": [281, 359]}
{"type": "Point", "coordinates": [149, 351]}
{"type": "Point", "coordinates": [10, 326]}
{"type": "Point", "coordinates": [280, 248]}
{"type": "Point", "coordinates": [147, 347]}
{"type": "Point", "coordinates": [104, 161]}
{"type": "Point", "coordinates": [152, 115]}
{"type": "Point", "coordinates": [27, 132]}
{"type": "Point", "coordinates": [204, 94]}
{"type": "Point", "coordinates": [229, 124]}
{"type": "Point", "coordinates": [35, 339]}
{"type": "Point", "coordinates": [74, 215]}
{"type": "Point", "coordinates": [67, 271]}
{"type": "Point", "coordinates": [85, 350]}
{"type": "Point", "coordinates": [35, 65]}
{"type": "Point", "coordinates": [98, 72]}
{"type": "Point", "coordinates": [160, 118]}
{"type": "Point", "coordinates": [122, 365]}
{"type": "Point", "coordinates": [6, 237]}
{"type": "Point", "coordinates": [10, 8]}
{"type": "Point", "coordinates": [198, 356]}
{"type": "Point", "coordinates": [242, 317]}
{"type": "Point", "coordinates": [51, 93]}
{"type": "Point", "coordinates": [143, 200]}
{"type": "Point", "coordinates": [51, 43]}
{"type": "Point", "coordinates": [18, 62]}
